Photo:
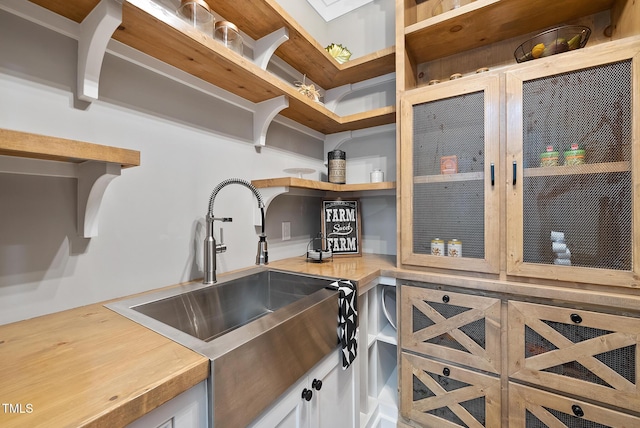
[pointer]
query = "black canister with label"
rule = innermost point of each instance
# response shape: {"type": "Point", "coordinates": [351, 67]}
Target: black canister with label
{"type": "Point", "coordinates": [337, 166]}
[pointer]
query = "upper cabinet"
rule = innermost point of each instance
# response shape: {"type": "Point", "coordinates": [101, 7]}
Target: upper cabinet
{"type": "Point", "coordinates": [572, 152]}
{"type": "Point", "coordinates": [156, 30]}
{"type": "Point", "coordinates": [488, 31]}
{"type": "Point", "coordinates": [450, 156]}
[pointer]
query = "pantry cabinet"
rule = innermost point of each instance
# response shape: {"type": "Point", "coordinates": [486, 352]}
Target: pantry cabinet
{"type": "Point", "coordinates": [569, 218]}
{"type": "Point", "coordinates": [574, 220]}
{"type": "Point", "coordinates": [481, 358]}
{"type": "Point", "coordinates": [450, 188]}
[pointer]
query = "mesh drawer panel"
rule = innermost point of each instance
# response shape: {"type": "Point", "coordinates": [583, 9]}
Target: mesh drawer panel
{"type": "Point", "coordinates": [590, 107]}
{"type": "Point", "coordinates": [568, 420]}
{"type": "Point", "coordinates": [476, 407]}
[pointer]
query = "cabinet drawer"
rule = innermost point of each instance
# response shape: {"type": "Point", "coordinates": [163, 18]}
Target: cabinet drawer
{"type": "Point", "coordinates": [533, 408]}
{"type": "Point", "coordinates": [439, 395]}
{"type": "Point", "coordinates": [588, 354]}
{"type": "Point", "coordinates": [455, 327]}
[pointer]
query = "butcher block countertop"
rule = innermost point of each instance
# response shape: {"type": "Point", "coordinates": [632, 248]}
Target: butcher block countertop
{"type": "Point", "coordinates": [91, 367]}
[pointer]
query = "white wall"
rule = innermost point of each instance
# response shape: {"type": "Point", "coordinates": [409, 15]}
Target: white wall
{"type": "Point", "coordinates": [151, 218]}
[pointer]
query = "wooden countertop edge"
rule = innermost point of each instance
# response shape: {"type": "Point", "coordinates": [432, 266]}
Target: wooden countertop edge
{"type": "Point", "coordinates": [152, 398]}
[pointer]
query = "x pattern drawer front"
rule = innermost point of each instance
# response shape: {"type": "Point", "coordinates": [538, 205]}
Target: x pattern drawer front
{"type": "Point", "coordinates": [456, 327]}
{"type": "Point", "coordinates": [446, 396]}
{"type": "Point", "coordinates": [590, 354]}
{"type": "Point", "coordinates": [534, 407]}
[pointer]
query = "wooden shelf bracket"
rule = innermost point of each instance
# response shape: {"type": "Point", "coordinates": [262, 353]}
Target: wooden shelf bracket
{"type": "Point", "coordinates": [264, 114]}
{"type": "Point", "coordinates": [93, 180]}
{"type": "Point", "coordinates": [95, 32]}
{"type": "Point", "coordinates": [266, 46]}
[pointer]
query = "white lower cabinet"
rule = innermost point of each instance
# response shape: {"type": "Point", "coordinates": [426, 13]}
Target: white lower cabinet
{"type": "Point", "coordinates": [187, 410]}
{"type": "Point", "coordinates": [325, 397]}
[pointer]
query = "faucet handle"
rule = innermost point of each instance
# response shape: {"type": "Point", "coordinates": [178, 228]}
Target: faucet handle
{"type": "Point", "coordinates": [221, 247]}
{"type": "Point", "coordinates": [223, 219]}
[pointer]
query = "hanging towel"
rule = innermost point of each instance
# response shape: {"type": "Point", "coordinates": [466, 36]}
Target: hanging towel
{"type": "Point", "coordinates": [347, 320]}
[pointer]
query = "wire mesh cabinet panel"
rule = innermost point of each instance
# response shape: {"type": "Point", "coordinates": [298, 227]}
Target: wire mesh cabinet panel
{"type": "Point", "coordinates": [456, 327]}
{"type": "Point", "coordinates": [571, 198]}
{"type": "Point", "coordinates": [438, 395]}
{"type": "Point", "coordinates": [534, 408]}
{"type": "Point", "coordinates": [583, 353]}
{"type": "Point", "coordinates": [449, 154]}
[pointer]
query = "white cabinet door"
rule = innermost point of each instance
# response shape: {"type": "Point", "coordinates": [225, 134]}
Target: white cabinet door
{"type": "Point", "coordinates": [331, 393]}
{"type": "Point", "coordinates": [187, 410]}
{"type": "Point", "coordinates": [334, 403]}
{"type": "Point", "coordinates": [291, 411]}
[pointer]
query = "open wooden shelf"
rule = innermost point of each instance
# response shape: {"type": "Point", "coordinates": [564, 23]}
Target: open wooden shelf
{"type": "Point", "coordinates": [93, 165]}
{"type": "Point", "coordinates": [35, 146]}
{"type": "Point", "coordinates": [257, 18]}
{"type": "Point", "coordinates": [156, 31]}
{"type": "Point", "coordinates": [302, 183]}
{"type": "Point", "coordinates": [594, 168]}
{"type": "Point", "coordinates": [484, 22]}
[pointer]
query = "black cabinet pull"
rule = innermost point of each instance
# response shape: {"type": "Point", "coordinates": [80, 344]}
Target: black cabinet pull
{"type": "Point", "coordinates": [445, 298]}
{"type": "Point", "coordinates": [515, 172]}
{"type": "Point", "coordinates": [493, 174]}
{"type": "Point", "coordinates": [316, 384]}
{"type": "Point", "coordinates": [446, 371]}
{"type": "Point", "coordinates": [576, 318]}
{"type": "Point", "coordinates": [307, 394]}
{"type": "Point", "coordinates": [577, 410]}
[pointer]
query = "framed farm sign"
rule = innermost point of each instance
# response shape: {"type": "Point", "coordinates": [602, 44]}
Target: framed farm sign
{"type": "Point", "coordinates": [341, 226]}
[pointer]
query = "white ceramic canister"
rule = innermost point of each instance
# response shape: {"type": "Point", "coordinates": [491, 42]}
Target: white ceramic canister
{"type": "Point", "coordinates": [454, 248]}
{"type": "Point", "coordinates": [377, 176]}
{"type": "Point", "coordinates": [437, 247]}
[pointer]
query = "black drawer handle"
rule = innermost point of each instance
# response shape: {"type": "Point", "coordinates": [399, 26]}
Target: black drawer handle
{"type": "Point", "coordinates": [515, 172]}
{"type": "Point", "coordinates": [445, 298]}
{"type": "Point", "coordinates": [576, 318]}
{"type": "Point", "coordinates": [577, 410]}
{"type": "Point", "coordinates": [446, 371]}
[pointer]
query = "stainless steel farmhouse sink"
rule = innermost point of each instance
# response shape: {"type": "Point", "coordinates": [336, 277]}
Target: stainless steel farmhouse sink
{"type": "Point", "coordinates": [262, 329]}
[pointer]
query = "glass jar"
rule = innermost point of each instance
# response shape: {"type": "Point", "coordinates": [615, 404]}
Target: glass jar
{"type": "Point", "coordinates": [228, 34]}
{"type": "Point", "coordinates": [198, 14]}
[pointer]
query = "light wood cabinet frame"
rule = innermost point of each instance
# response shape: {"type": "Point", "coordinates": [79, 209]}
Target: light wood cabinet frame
{"type": "Point", "coordinates": [480, 308]}
{"type": "Point", "coordinates": [515, 77]}
{"type": "Point", "coordinates": [523, 399]}
{"type": "Point", "coordinates": [624, 332]}
{"type": "Point", "coordinates": [479, 385]}
{"type": "Point", "coordinates": [489, 84]}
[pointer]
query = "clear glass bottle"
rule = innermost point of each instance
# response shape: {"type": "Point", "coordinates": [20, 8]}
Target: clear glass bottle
{"type": "Point", "coordinates": [228, 34]}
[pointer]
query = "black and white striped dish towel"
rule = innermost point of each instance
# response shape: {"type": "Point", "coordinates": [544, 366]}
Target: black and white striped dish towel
{"type": "Point", "coordinates": [347, 320]}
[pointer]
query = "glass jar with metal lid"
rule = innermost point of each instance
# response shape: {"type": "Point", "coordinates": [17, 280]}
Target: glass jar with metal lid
{"type": "Point", "coordinates": [198, 14]}
{"type": "Point", "coordinates": [228, 34]}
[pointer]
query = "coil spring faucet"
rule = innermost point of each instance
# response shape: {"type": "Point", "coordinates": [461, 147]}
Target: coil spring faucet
{"type": "Point", "coordinates": [211, 248]}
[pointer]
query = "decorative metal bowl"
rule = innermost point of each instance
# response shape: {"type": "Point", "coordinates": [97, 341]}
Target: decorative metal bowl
{"type": "Point", "coordinates": [553, 41]}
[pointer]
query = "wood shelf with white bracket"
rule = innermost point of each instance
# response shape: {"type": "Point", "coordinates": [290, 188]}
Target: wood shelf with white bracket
{"type": "Point", "coordinates": [94, 166]}
{"type": "Point", "coordinates": [270, 188]}
{"type": "Point", "coordinates": [158, 32]}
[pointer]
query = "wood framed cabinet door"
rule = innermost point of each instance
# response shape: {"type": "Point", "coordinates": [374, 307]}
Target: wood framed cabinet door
{"type": "Point", "coordinates": [530, 407]}
{"type": "Point", "coordinates": [583, 353]}
{"type": "Point", "coordinates": [572, 160]}
{"type": "Point", "coordinates": [456, 327]}
{"type": "Point", "coordinates": [436, 394]}
{"type": "Point", "coordinates": [449, 177]}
